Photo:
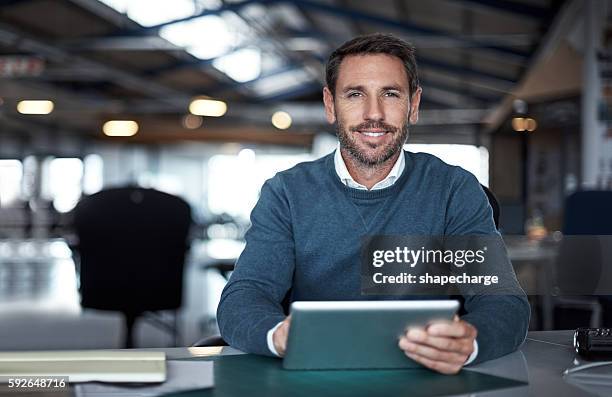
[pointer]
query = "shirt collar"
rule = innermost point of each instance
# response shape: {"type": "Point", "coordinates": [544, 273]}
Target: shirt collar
{"type": "Point", "coordinates": [348, 180]}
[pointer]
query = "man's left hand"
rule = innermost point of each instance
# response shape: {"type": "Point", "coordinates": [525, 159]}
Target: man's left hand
{"type": "Point", "coordinates": [443, 346]}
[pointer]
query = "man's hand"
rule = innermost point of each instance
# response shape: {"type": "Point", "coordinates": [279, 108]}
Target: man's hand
{"type": "Point", "coordinates": [441, 346]}
{"type": "Point", "coordinates": [279, 337]}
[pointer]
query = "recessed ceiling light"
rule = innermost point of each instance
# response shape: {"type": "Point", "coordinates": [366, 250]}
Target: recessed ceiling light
{"type": "Point", "coordinates": [281, 120]}
{"type": "Point", "coordinates": [120, 128]}
{"type": "Point", "coordinates": [191, 121]}
{"type": "Point", "coordinates": [207, 107]}
{"type": "Point", "coordinates": [35, 107]}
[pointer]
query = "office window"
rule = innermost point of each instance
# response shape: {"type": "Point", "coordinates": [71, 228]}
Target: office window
{"type": "Point", "coordinates": [474, 159]}
{"type": "Point", "coordinates": [11, 174]}
{"type": "Point", "coordinates": [93, 174]}
{"type": "Point", "coordinates": [234, 181]}
{"type": "Point", "coordinates": [61, 182]}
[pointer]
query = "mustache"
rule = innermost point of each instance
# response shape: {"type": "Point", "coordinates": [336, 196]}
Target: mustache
{"type": "Point", "coordinates": [370, 125]}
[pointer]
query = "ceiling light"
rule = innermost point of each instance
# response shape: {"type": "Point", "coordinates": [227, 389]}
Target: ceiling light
{"type": "Point", "coordinates": [208, 107]}
{"type": "Point", "coordinates": [281, 120]}
{"type": "Point", "coordinates": [191, 121]}
{"type": "Point", "coordinates": [35, 107]}
{"type": "Point", "coordinates": [120, 128]}
{"type": "Point", "coordinates": [518, 124]}
{"type": "Point", "coordinates": [530, 124]}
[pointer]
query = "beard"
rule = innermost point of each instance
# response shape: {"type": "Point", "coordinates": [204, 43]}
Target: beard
{"type": "Point", "coordinates": [379, 157]}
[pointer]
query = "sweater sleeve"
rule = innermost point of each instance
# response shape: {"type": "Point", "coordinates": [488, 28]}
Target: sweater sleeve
{"type": "Point", "coordinates": [502, 319]}
{"type": "Point", "coordinates": [251, 301]}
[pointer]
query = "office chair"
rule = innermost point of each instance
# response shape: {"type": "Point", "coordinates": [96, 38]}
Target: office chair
{"type": "Point", "coordinates": [587, 214]}
{"type": "Point", "coordinates": [131, 250]}
{"type": "Point", "coordinates": [493, 203]}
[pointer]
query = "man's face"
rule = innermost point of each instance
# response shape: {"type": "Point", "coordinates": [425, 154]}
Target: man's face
{"type": "Point", "coordinates": [372, 107]}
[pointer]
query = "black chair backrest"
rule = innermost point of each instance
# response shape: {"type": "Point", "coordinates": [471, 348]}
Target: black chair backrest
{"type": "Point", "coordinates": [494, 204]}
{"type": "Point", "coordinates": [132, 246]}
{"type": "Point", "coordinates": [588, 212]}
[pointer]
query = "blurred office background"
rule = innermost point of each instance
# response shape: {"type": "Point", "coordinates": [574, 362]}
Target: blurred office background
{"type": "Point", "coordinates": [206, 99]}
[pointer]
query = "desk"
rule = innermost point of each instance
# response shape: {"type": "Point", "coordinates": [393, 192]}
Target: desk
{"type": "Point", "coordinates": [540, 361]}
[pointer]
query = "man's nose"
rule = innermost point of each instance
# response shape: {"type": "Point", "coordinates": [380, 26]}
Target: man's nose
{"type": "Point", "coordinates": [374, 110]}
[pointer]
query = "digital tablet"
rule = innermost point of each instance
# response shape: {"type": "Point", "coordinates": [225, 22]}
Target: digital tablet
{"type": "Point", "coordinates": [357, 334]}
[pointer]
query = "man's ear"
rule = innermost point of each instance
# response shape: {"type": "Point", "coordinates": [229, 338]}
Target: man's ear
{"type": "Point", "coordinates": [414, 106]}
{"type": "Point", "coordinates": [330, 110]}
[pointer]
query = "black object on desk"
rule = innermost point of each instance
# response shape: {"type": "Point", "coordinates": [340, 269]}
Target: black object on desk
{"type": "Point", "coordinates": [131, 251]}
{"type": "Point", "coordinates": [593, 342]}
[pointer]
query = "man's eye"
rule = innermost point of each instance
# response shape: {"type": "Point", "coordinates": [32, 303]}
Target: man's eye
{"type": "Point", "coordinates": [354, 94]}
{"type": "Point", "coordinates": [392, 94]}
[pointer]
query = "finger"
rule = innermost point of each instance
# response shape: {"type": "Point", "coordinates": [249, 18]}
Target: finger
{"type": "Point", "coordinates": [284, 329]}
{"type": "Point", "coordinates": [279, 338]}
{"type": "Point", "coordinates": [439, 366]}
{"type": "Point", "coordinates": [413, 330]}
{"type": "Point", "coordinates": [432, 353]}
{"type": "Point", "coordinates": [457, 345]}
{"type": "Point", "coordinates": [458, 329]}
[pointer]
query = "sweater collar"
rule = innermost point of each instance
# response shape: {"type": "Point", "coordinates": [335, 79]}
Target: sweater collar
{"type": "Point", "coordinates": [347, 179]}
{"type": "Point", "coordinates": [369, 194]}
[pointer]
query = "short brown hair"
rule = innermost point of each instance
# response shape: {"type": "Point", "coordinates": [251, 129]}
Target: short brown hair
{"type": "Point", "coordinates": [377, 43]}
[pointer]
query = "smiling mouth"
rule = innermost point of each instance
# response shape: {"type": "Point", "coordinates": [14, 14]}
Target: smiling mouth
{"type": "Point", "coordinates": [372, 133]}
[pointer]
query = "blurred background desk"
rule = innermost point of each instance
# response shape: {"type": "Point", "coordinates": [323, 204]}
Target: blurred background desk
{"type": "Point", "coordinates": [534, 265]}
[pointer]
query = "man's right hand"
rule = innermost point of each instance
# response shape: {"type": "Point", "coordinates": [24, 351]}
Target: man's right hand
{"type": "Point", "coordinates": [279, 337]}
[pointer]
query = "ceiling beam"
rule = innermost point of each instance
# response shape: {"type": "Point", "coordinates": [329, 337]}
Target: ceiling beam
{"type": "Point", "coordinates": [563, 22]}
{"type": "Point", "coordinates": [8, 3]}
{"type": "Point", "coordinates": [511, 7]}
{"type": "Point", "coordinates": [296, 92]}
{"type": "Point", "coordinates": [268, 136]}
{"type": "Point", "coordinates": [12, 37]}
{"type": "Point", "coordinates": [411, 28]}
{"type": "Point", "coordinates": [105, 12]}
{"type": "Point", "coordinates": [226, 6]}
{"type": "Point", "coordinates": [506, 52]}
{"type": "Point", "coordinates": [497, 82]}
{"type": "Point", "coordinates": [118, 43]}
{"type": "Point", "coordinates": [465, 91]}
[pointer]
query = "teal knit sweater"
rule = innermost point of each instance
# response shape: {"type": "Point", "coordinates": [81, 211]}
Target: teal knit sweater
{"type": "Point", "coordinates": [305, 241]}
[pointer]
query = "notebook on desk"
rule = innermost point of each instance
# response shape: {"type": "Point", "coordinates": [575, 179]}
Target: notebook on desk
{"type": "Point", "coordinates": [86, 365]}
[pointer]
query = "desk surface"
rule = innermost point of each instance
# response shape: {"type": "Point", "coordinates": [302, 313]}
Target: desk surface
{"type": "Point", "coordinates": [540, 362]}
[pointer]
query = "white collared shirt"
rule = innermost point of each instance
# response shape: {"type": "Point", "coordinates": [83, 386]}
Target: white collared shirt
{"type": "Point", "coordinates": [348, 180]}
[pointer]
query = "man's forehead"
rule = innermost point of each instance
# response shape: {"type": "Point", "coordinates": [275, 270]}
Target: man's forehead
{"type": "Point", "coordinates": [374, 68]}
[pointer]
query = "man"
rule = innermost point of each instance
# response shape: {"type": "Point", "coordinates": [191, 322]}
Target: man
{"type": "Point", "coordinates": [306, 230]}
